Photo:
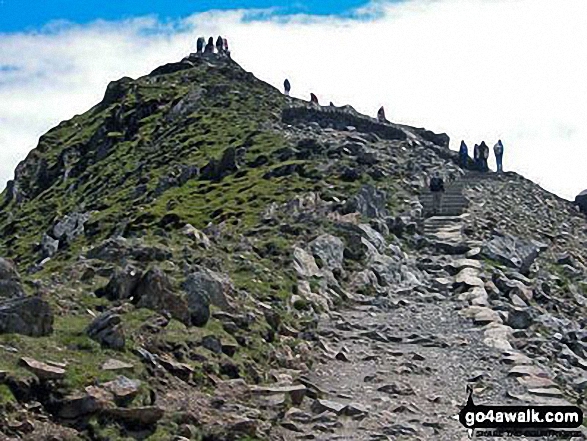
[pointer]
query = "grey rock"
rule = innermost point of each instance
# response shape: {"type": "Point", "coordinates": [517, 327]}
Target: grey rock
{"type": "Point", "coordinates": [215, 286]}
{"type": "Point", "coordinates": [49, 246]}
{"type": "Point", "coordinates": [370, 202]}
{"type": "Point", "coordinates": [156, 292]}
{"type": "Point", "coordinates": [519, 318]}
{"type": "Point", "coordinates": [30, 316]}
{"type": "Point", "coordinates": [512, 251]}
{"type": "Point", "coordinates": [67, 229]}
{"type": "Point", "coordinates": [8, 270]}
{"type": "Point", "coordinates": [107, 329]}
{"type": "Point", "coordinates": [330, 250]}
{"type": "Point", "coordinates": [212, 343]}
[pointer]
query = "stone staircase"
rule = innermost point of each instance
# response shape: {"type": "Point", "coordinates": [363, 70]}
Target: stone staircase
{"type": "Point", "coordinates": [445, 228]}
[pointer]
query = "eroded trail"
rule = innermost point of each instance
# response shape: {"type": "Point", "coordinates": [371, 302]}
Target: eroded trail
{"type": "Point", "coordinates": [401, 372]}
{"type": "Point", "coordinates": [397, 366]}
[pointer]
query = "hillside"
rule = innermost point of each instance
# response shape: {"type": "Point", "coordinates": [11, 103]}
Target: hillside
{"type": "Point", "coordinates": [200, 257]}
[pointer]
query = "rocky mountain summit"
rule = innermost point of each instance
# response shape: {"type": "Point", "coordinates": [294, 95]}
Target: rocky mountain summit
{"type": "Point", "coordinates": [200, 257]}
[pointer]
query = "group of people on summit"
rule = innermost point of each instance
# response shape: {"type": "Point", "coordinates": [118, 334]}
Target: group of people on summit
{"type": "Point", "coordinates": [221, 46]}
{"type": "Point", "coordinates": [481, 155]}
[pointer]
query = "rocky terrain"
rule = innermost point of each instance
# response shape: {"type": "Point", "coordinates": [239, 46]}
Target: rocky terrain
{"type": "Point", "coordinates": [200, 257]}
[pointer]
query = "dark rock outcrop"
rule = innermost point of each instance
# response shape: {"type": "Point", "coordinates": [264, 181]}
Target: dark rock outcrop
{"type": "Point", "coordinates": [10, 285]}
{"type": "Point", "coordinates": [156, 292]}
{"type": "Point", "coordinates": [30, 316]}
{"type": "Point", "coordinates": [107, 329]}
{"type": "Point", "coordinates": [340, 119]}
{"type": "Point", "coordinates": [122, 284]}
{"type": "Point", "coordinates": [581, 201]}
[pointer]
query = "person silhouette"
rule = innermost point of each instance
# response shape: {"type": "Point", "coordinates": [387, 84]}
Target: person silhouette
{"type": "Point", "coordinates": [219, 45]}
{"type": "Point", "coordinates": [286, 86]}
{"type": "Point", "coordinates": [381, 115]}
{"type": "Point", "coordinates": [209, 49]}
{"type": "Point", "coordinates": [200, 44]}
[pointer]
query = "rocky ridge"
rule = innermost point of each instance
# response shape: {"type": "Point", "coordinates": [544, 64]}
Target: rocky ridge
{"type": "Point", "coordinates": [191, 269]}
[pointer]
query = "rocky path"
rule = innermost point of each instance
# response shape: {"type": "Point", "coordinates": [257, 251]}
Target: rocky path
{"type": "Point", "coordinates": [397, 367]}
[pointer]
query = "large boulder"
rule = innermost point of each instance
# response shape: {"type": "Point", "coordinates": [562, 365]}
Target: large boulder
{"type": "Point", "coordinates": [305, 264]}
{"type": "Point", "coordinates": [362, 241]}
{"type": "Point", "coordinates": [67, 229]}
{"type": "Point", "coordinates": [203, 288]}
{"type": "Point", "coordinates": [155, 291]}
{"type": "Point", "coordinates": [512, 251]}
{"type": "Point", "coordinates": [329, 249]}
{"type": "Point", "coordinates": [107, 330]}
{"type": "Point", "coordinates": [30, 316]}
{"type": "Point", "coordinates": [9, 280]}
{"type": "Point", "coordinates": [122, 284]}
{"type": "Point", "coordinates": [581, 201]}
{"type": "Point", "coordinates": [370, 202]}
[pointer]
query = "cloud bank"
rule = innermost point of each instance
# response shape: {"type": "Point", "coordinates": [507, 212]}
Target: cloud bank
{"type": "Point", "coordinates": [477, 70]}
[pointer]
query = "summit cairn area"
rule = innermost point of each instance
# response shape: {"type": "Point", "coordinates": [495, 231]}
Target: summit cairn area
{"type": "Point", "coordinates": [200, 256]}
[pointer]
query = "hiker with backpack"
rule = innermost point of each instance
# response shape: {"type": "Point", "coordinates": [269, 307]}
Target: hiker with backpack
{"type": "Point", "coordinates": [484, 153]}
{"type": "Point", "coordinates": [437, 190]}
{"type": "Point", "coordinates": [498, 150]}
{"type": "Point", "coordinates": [463, 154]}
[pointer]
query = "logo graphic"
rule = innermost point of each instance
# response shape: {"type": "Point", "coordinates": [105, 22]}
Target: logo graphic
{"type": "Point", "coordinates": [517, 418]}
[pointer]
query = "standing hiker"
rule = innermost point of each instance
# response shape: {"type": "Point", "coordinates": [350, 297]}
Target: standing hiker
{"type": "Point", "coordinates": [498, 150]}
{"type": "Point", "coordinates": [381, 115]}
{"type": "Point", "coordinates": [476, 157]}
{"type": "Point", "coordinates": [484, 153]}
{"type": "Point", "coordinates": [225, 44]}
{"type": "Point", "coordinates": [200, 44]}
{"type": "Point", "coordinates": [463, 154]}
{"type": "Point", "coordinates": [437, 189]}
{"type": "Point", "coordinates": [286, 86]}
{"type": "Point", "coordinates": [209, 49]}
{"type": "Point", "coordinates": [219, 45]}
{"type": "Point", "coordinates": [313, 99]}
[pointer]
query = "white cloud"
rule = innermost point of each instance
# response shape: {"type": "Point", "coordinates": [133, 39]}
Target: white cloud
{"type": "Point", "coordinates": [476, 69]}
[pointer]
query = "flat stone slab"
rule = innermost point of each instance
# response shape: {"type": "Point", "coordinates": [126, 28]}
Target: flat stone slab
{"type": "Point", "coordinates": [319, 406]}
{"type": "Point", "coordinates": [516, 359]}
{"type": "Point", "coordinates": [497, 336]}
{"type": "Point", "coordinates": [535, 382]}
{"type": "Point", "coordinates": [527, 370]}
{"type": "Point", "coordinates": [297, 392]}
{"type": "Point", "coordinates": [481, 315]}
{"type": "Point", "coordinates": [466, 263]}
{"type": "Point", "coordinates": [115, 365]}
{"type": "Point", "coordinates": [469, 277]}
{"type": "Point", "coordinates": [546, 392]}
{"type": "Point", "coordinates": [42, 370]}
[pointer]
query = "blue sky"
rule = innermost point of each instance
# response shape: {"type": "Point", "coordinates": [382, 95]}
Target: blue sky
{"type": "Point", "coordinates": [30, 15]}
